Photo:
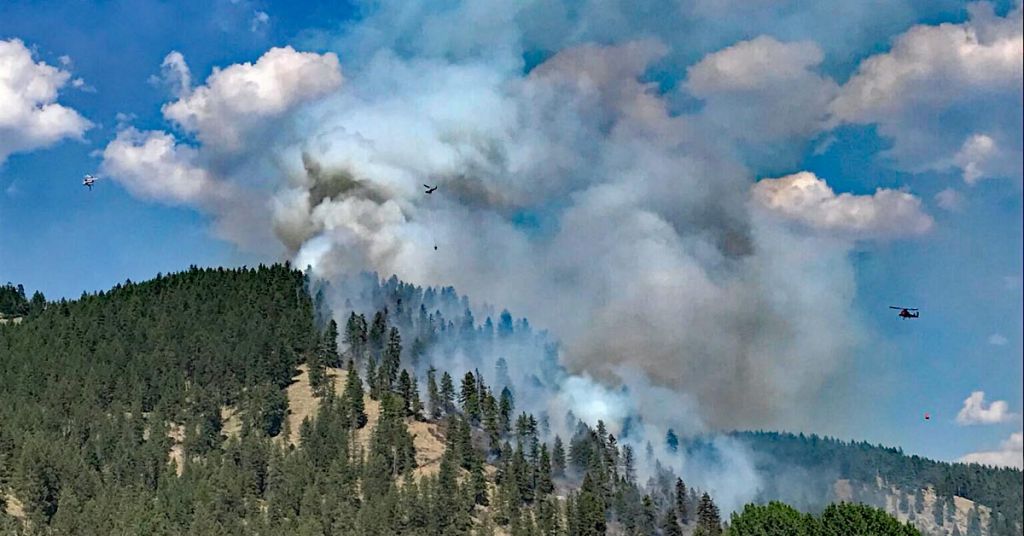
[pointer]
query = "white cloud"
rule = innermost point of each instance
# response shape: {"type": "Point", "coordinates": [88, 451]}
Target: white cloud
{"type": "Point", "coordinates": [174, 74]}
{"type": "Point", "coordinates": [997, 339]}
{"type": "Point", "coordinates": [260, 20]}
{"type": "Point", "coordinates": [949, 199]}
{"type": "Point", "coordinates": [763, 89]}
{"type": "Point", "coordinates": [153, 165]}
{"type": "Point", "coordinates": [975, 411]}
{"type": "Point", "coordinates": [30, 116]}
{"type": "Point", "coordinates": [937, 87]}
{"type": "Point", "coordinates": [1010, 454]}
{"type": "Point", "coordinates": [974, 157]}
{"type": "Point", "coordinates": [242, 96]}
{"type": "Point", "coordinates": [810, 200]}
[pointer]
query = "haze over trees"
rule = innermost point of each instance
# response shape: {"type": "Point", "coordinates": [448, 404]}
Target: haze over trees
{"type": "Point", "coordinates": [96, 394]}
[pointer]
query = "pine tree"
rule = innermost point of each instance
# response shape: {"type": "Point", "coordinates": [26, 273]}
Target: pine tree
{"type": "Point", "coordinates": [973, 522]}
{"type": "Point", "coordinates": [629, 464]}
{"type": "Point", "coordinates": [469, 399]}
{"type": "Point", "coordinates": [330, 345]}
{"type": "Point", "coordinates": [378, 332]}
{"type": "Point", "coordinates": [708, 520]}
{"type": "Point", "coordinates": [558, 458]}
{"type": "Point", "coordinates": [648, 514]}
{"type": "Point", "coordinates": [391, 361]}
{"type": "Point", "coordinates": [405, 391]}
{"type": "Point", "coordinates": [590, 509]}
{"type": "Point", "coordinates": [544, 483]}
{"type": "Point", "coordinates": [317, 372]}
{"type": "Point", "coordinates": [434, 402]}
{"type": "Point", "coordinates": [505, 408]}
{"type": "Point", "coordinates": [669, 525]}
{"type": "Point", "coordinates": [447, 393]}
{"type": "Point", "coordinates": [672, 440]}
{"type": "Point", "coordinates": [354, 398]}
{"type": "Point", "coordinates": [356, 336]}
{"type": "Point", "coordinates": [681, 497]}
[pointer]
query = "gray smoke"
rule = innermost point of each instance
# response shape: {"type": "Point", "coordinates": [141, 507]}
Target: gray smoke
{"type": "Point", "coordinates": [574, 192]}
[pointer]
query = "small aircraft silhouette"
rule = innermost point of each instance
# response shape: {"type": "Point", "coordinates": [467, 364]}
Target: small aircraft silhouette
{"type": "Point", "coordinates": [89, 180]}
{"type": "Point", "coordinates": [905, 312]}
{"type": "Point", "coordinates": [430, 189]}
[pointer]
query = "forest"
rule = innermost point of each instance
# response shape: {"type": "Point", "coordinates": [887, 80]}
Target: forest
{"type": "Point", "coordinates": [97, 393]}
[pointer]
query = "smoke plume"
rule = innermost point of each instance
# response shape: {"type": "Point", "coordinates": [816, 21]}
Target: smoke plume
{"type": "Point", "coordinates": [571, 190]}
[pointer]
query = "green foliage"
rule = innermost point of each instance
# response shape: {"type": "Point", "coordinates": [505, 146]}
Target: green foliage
{"type": "Point", "coordinates": [12, 301]}
{"type": "Point", "coordinates": [1001, 489]}
{"type": "Point", "coordinates": [772, 519]}
{"type": "Point", "coordinates": [847, 519]}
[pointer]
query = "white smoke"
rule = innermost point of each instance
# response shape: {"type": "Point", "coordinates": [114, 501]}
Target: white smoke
{"type": "Point", "coordinates": [569, 192]}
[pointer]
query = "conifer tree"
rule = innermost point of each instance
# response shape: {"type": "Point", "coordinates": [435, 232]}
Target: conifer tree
{"type": "Point", "coordinates": [447, 393]}
{"type": "Point", "coordinates": [330, 345]}
{"type": "Point", "coordinates": [669, 524]}
{"type": "Point", "coordinates": [629, 464]}
{"type": "Point", "coordinates": [373, 377]}
{"type": "Point", "coordinates": [708, 520]}
{"type": "Point", "coordinates": [469, 398]}
{"type": "Point", "coordinates": [648, 513]}
{"type": "Point", "coordinates": [672, 440]}
{"type": "Point", "coordinates": [354, 398]}
{"type": "Point", "coordinates": [434, 402]}
{"type": "Point", "coordinates": [356, 336]}
{"type": "Point", "coordinates": [544, 483]}
{"type": "Point", "coordinates": [391, 361]}
{"type": "Point", "coordinates": [378, 332]}
{"type": "Point", "coordinates": [590, 508]}
{"type": "Point", "coordinates": [680, 506]}
{"type": "Point", "coordinates": [505, 408]}
{"type": "Point", "coordinates": [558, 458]}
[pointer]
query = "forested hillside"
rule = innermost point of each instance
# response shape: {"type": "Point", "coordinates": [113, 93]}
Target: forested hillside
{"type": "Point", "coordinates": [219, 401]}
{"type": "Point", "coordinates": [884, 477]}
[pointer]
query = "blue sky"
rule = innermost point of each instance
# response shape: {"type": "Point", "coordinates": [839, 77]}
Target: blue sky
{"type": "Point", "coordinates": [964, 272]}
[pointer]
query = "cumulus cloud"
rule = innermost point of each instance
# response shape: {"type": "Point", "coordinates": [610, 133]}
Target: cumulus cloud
{"type": "Point", "coordinates": [241, 96]}
{"type": "Point", "coordinates": [1010, 454]}
{"type": "Point", "coordinates": [975, 411]}
{"type": "Point", "coordinates": [30, 117]}
{"type": "Point", "coordinates": [949, 199]}
{"type": "Point", "coordinates": [764, 89]}
{"type": "Point", "coordinates": [810, 200]}
{"type": "Point", "coordinates": [947, 95]}
{"type": "Point", "coordinates": [174, 74]}
{"type": "Point", "coordinates": [152, 165]}
{"type": "Point", "coordinates": [975, 156]}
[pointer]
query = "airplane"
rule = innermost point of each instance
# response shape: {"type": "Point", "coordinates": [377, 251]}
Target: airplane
{"type": "Point", "coordinates": [905, 312]}
{"type": "Point", "coordinates": [89, 180]}
{"type": "Point", "coordinates": [430, 189]}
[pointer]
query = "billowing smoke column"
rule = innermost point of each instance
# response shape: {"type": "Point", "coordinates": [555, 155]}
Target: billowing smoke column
{"type": "Point", "coordinates": [572, 196]}
{"type": "Point", "coordinates": [683, 292]}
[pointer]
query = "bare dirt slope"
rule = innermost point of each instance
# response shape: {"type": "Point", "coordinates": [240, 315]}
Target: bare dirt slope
{"type": "Point", "coordinates": [303, 403]}
{"type": "Point", "coordinates": [925, 520]}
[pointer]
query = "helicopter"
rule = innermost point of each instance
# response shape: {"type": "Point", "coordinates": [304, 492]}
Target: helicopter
{"type": "Point", "coordinates": [89, 180]}
{"type": "Point", "coordinates": [905, 312]}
